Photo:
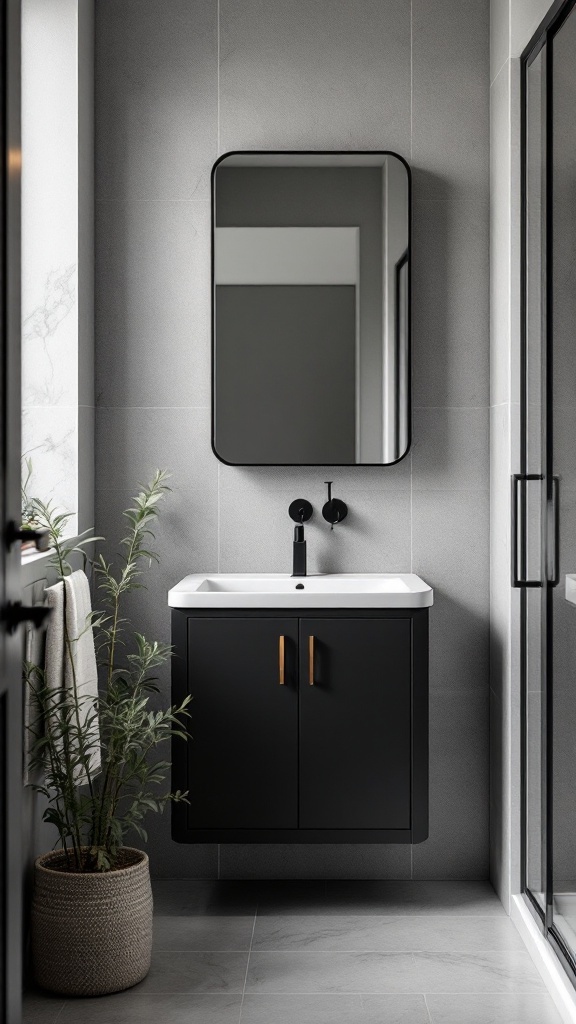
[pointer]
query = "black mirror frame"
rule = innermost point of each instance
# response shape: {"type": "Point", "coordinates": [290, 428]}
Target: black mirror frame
{"type": "Point", "coordinates": [408, 260]}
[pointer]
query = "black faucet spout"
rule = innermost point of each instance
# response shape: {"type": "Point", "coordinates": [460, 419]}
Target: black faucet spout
{"type": "Point", "coordinates": [299, 549]}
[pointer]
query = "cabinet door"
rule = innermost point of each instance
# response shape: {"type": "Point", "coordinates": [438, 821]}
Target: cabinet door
{"type": "Point", "coordinates": [243, 753]}
{"type": "Point", "coordinates": [355, 723]}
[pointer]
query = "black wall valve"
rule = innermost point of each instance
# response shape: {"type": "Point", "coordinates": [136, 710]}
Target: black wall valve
{"type": "Point", "coordinates": [334, 511]}
{"type": "Point", "coordinates": [300, 510]}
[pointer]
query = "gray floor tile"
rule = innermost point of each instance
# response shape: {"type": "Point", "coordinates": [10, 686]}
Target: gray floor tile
{"type": "Point", "coordinates": [312, 972]}
{"type": "Point", "coordinates": [213, 932]}
{"type": "Point", "coordinates": [41, 1008]}
{"type": "Point", "coordinates": [134, 1008]}
{"type": "Point", "coordinates": [185, 897]}
{"type": "Point", "coordinates": [385, 934]}
{"type": "Point", "coordinates": [520, 1008]}
{"type": "Point", "coordinates": [292, 897]}
{"type": "Point", "coordinates": [414, 897]}
{"type": "Point", "coordinates": [410, 973]}
{"type": "Point", "coordinates": [180, 973]}
{"type": "Point", "coordinates": [282, 1009]}
{"type": "Point", "coordinates": [505, 971]}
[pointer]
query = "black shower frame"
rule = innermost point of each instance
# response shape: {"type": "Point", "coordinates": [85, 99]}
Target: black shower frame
{"type": "Point", "coordinates": [541, 39]}
{"type": "Point", "coordinates": [306, 152]}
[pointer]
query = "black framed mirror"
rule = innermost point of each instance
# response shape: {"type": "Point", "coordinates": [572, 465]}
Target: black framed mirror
{"type": "Point", "coordinates": [311, 308]}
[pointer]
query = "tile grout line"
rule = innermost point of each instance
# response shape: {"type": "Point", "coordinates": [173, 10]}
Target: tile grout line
{"type": "Point", "coordinates": [424, 951]}
{"type": "Point", "coordinates": [362, 952]}
{"type": "Point", "coordinates": [248, 963]}
{"type": "Point", "coordinates": [427, 1008]}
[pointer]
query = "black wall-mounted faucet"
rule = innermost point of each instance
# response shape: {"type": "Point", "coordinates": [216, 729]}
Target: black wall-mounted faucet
{"type": "Point", "coordinates": [300, 511]}
{"type": "Point", "coordinates": [334, 511]}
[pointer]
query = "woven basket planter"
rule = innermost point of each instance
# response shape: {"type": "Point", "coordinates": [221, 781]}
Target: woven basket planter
{"type": "Point", "coordinates": [91, 933]}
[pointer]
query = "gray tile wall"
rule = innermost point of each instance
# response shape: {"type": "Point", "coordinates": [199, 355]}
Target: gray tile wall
{"type": "Point", "coordinates": [178, 83]}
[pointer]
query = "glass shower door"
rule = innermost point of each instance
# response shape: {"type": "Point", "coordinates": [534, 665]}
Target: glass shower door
{"type": "Point", "coordinates": [530, 490]}
{"type": "Point", "coordinates": [544, 497]}
{"type": "Point", "coordinates": [562, 289]}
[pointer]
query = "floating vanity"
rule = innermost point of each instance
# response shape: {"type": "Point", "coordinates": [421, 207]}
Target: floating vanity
{"type": "Point", "coordinates": [310, 708]}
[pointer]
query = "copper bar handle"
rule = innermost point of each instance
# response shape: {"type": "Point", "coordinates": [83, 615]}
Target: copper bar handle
{"type": "Point", "coordinates": [281, 660]}
{"type": "Point", "coordinates": [311, 660]}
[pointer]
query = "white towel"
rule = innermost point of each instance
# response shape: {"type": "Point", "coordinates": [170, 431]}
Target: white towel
{"type": "Point", "coordinates": [70, 600]}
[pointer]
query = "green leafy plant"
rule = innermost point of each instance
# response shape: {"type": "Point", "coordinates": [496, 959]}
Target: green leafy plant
{"type": "Point", "coordinates": [28, 503]}
{"type": "Point", "coordinates": [93, 809]}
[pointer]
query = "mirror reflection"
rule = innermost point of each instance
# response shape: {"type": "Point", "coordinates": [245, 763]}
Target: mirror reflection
{"type": "Point", "coordinates": [311, 276]}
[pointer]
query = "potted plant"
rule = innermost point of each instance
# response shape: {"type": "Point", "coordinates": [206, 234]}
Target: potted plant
{"type": "Point", "coordinates": [92, 903]}
{"type": "Point", "coordinates": [29, 511]}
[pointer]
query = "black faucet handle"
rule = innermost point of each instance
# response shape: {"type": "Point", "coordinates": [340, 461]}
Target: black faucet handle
{"type": "Point", "coordinates": [335, 510]}
{"type": "Point", "coordinates": [300, 510]}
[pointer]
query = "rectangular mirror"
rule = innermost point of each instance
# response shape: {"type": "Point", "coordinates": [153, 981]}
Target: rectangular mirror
{"type": "Point", "coordinates": [311, 308]}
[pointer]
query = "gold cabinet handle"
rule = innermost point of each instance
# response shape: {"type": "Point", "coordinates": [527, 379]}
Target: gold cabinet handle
{"type": "Point", "coordinates": [311, 640]}
{"type": "Point", "coordinates": [281, 660]}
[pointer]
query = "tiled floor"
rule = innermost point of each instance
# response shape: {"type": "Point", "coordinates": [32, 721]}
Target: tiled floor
{"type": "Point", "coordinates": [324, 953]}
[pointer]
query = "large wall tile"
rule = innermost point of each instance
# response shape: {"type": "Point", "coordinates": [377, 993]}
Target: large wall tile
{"type": "Point", "coordinates": [450, 105]}
{"type": "Point", "coordinates": [458, 842]}
{"type": "Point", "coordinates": [156, 98]}
{"type": "Point", "coordinates": [256, 531]}
{"type": "Point", "coordinates": [450, 449]}
{"type": "Point", "coordinates": [313, 75]}
{"type": "Point", "coordinates": [132, 444]}
{"type": "Point", "coordinates": [450, 303]}
{"type": "Point", "coordinates": [525, 17]}
{"type": "Point", "coordinates": [499, 35]}
{"type": "Point", "coordinates": [499, 801]}
{"type": "Point", "coordinates": [315, 860]}
{"type": "Point", "coordinates": [153, 304]}
{"type": "Point", "coordinates": [500, 227]}
{"type": "Point", "coordinates": [450, 551]}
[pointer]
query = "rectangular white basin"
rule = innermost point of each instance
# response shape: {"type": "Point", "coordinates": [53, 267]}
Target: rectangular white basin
{"type": "Point", "coordinates": [270, 590]}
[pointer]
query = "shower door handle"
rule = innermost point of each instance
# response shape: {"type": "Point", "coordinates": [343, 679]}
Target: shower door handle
{"type": "Point", "coordinates": [517, 479]}
{"type": "Point", "coordinates": [555, 523]}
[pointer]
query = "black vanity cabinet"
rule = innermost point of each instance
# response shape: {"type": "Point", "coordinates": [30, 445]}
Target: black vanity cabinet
{"type": "Point", "coordinates": [305, 727]}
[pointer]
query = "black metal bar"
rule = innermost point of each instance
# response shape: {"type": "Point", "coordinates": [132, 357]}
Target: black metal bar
{"type": "Point", "coordinates": [517, 581]}
{"type": "Point", "coordinates": [556, 528]}
{"type": "Point", "coordinates": [548, 448]}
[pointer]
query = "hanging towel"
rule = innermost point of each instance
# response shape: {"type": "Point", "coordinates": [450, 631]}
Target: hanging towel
{"type": "Point", "coordinates": [75, 669]}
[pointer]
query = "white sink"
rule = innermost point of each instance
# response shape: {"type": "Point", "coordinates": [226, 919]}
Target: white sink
{"type": "Point", "coordinates": [270, 590]}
